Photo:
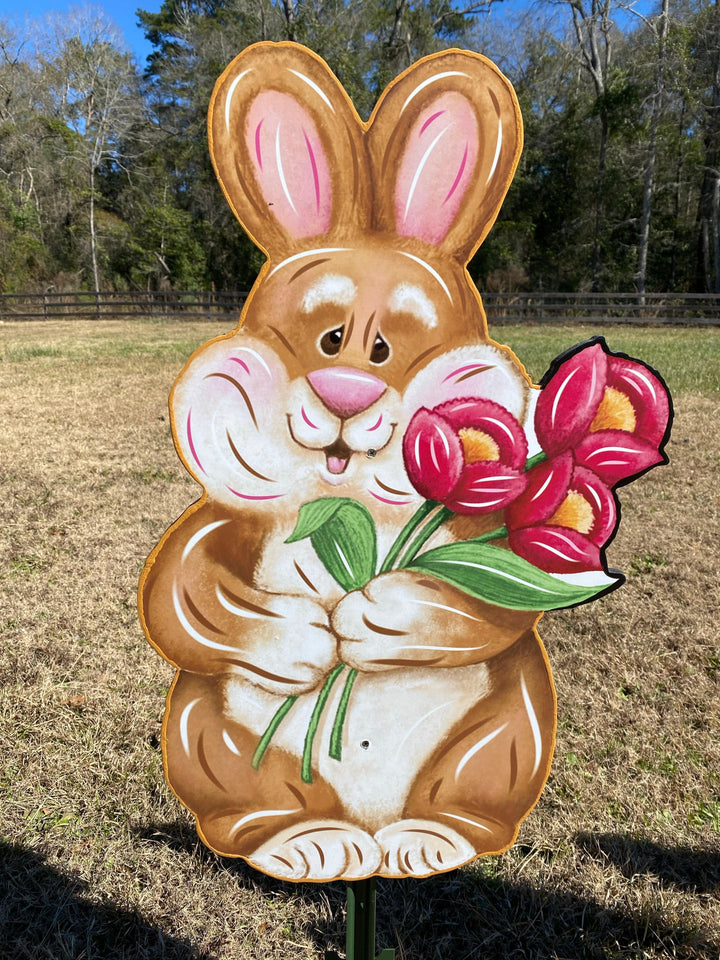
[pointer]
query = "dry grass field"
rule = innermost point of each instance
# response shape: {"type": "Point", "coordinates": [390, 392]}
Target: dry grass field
{"type": "Point", "coordinates": [621, 858]}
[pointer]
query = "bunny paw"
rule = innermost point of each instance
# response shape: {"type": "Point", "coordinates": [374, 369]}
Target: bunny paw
{"type": "Point", "coordinates": [416, 848]}
{"type": "Point", "coordinates": [323, 850]}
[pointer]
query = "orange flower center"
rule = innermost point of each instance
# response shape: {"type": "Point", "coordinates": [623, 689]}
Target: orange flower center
{"type": "Point", "coordinates": [574, 512]}
{"type": "Point", "coordinates": [477, 445]}
{"type": "Point", "coordinates": [614, 413]}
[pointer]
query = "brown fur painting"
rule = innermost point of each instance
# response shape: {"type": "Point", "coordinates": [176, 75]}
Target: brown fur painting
{"type": "Point", "coordinates": [389, 504]}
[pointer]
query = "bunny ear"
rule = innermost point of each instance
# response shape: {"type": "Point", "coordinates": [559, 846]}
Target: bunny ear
{"type": "Point", "coordinates": [285, 142]}
{"type": "Point", "coordinates": [445, 139]}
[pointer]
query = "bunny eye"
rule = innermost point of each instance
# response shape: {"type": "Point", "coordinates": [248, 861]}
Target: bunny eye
{"type": "Point", "coordinates": [331, 340]}
{"type": "Point", "coordinates": [380, 351]}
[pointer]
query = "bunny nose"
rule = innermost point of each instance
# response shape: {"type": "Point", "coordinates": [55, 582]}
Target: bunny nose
{"type": "Point", "coordinates": [345, 391]}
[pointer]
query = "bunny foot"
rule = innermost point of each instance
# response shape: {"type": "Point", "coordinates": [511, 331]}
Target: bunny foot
{"type": "Point", "coordinates": [323, 850]}
{"type": "Point", "coordinates": [416, 848]}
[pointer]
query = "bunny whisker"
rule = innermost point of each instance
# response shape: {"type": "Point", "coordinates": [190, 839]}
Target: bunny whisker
{"type": "Point", "coordinates": [244, 463]}
{"type": "Point", "coordinates": [242, 391]}
{"type": "Point", "coordinates": [392, 503]}
{"type": "Point", "coordinates": [191, 442]}
{"type": "Point", "coordinates": [388, 489]}
{"type": "Point", "coordinates": [249, 496]}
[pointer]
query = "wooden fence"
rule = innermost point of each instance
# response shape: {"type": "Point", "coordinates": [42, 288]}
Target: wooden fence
{"type": "Point", "coordinates": [591, 308]}
{"type": "Point", "coordinates": [602, 308]}
{"type": "Point", "coordinates": [210, 305]}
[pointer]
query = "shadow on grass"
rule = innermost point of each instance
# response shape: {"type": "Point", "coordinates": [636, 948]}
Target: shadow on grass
{"type": "Point", "coordinates": [48, 914]}
{"type": "Point", "coordinates": [694, 871]}
{"type": "Point", "coordinates": [473, 914]}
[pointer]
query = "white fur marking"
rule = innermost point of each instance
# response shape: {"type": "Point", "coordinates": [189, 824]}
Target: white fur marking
{"type": "Point", "coordinates": [331, 288]}
{"type": "Point", "coordinates": [230, 93]}
{"type": "Point", "coordinates": [474, 823]}
{"type": "Point", "coordinates": [429, 269]}
{"type": "Point", "coordinates": [413, 728]}
{"type": "Point", "coordinates": [441, 606]}
{"type": "Point", "coordinates": [281, 172]}
{"type": "Point", "coordinates": [184, 717]}
{"type": "Point", "coordinates": [476, 748]}
{"type": "Point", "coordinates": [191, 631]}
{"type": "Point", "coordinates": [234, 609]}
{"type": "Point", "coordinates": [197, 537]}
{"type": "Point", "coordinates": [534, 725]}
{"type": "Point", "coordinates": [425, 83]}
{"type": "Point", "coordinates": [257, 356]}
{"type": "Point", "coordinates": [498, 145]}
{"type": "Point", "coordinates": [422, 646]}
{"type": "Point", "coordinates": [407, 298]}
{"type": "Point", "coordinates": [421, 165]}
{"type": "Point", "coordinates": [256, 816]}
{"type": "Point", "coordinates": [315, 87]}
{"type": "Point", "coordinates": [229, 743]}
{"type": "Point", "coordinates": [308, 253]}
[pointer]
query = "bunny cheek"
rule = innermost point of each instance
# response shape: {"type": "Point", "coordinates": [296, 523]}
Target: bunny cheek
{"type": "Point", "coordinates": [485, 370]}
{"type": "Point", "coordinates": [229, 421]}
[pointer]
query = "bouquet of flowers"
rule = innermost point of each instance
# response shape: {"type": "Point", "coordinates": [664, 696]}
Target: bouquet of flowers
{"type": "Point", "coordinates": [601, 420]}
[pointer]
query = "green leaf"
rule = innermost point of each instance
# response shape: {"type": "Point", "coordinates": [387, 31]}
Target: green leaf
{"type": "Point", "coordinates": [313, 515]}
{"type": "Point", "coordinates": [342, 532]}
{"type": "Point", "coordinates": [502, 578]}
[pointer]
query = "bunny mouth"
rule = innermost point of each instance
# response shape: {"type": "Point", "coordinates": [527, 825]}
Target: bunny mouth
{"type": "Point", "coordinates": [337, 456]}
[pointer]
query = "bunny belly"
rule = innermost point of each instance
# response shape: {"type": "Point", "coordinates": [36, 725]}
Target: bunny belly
{"type": "Point", "coordinates": [395, 721]}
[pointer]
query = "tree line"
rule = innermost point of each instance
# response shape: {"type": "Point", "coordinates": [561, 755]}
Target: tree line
{"type": "Point", "coordinates": [106, 182]}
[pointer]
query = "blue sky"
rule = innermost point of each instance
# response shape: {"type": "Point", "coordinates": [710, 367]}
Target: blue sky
{"type": "Point", "coordinates": [121, 13]}
{"type": "Point", "coordinates": [124, 15]}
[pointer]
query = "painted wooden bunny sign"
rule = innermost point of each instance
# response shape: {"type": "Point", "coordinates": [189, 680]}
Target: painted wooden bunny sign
{"type": "Point", "coordinates": [389, 503]}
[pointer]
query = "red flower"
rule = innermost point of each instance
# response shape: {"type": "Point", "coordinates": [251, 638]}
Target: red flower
{"type": "Point", "coordinates": [612, 412]}
{"type": "Point", "coordinates": [468, 454]}
{"type": "Point", "coordinates": [563, 519]}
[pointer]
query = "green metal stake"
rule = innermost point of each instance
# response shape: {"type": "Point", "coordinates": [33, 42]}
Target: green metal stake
{"type": "Point", "coordinates": [360, 936]}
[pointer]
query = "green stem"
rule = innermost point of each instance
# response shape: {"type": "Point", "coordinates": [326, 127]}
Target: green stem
{"type": "Point", "coordinates": [499, 533]}
{"type": "Point", "coordinates": [540, 457]}
{"type": "Point", "coordinates": [428, 530]}
{"type": "Point", "coordinates": [306, 771]}
{"type": "Point", "coordinates": [337, 730]}
{"type": "Point", "coordinates": [407, 531]}
{"type": "Point", "coordinates": [265, 739]}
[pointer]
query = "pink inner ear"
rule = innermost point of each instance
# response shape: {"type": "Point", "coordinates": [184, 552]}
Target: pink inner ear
{"type": "Point", "coordinates": [437, 168]}
{"type": "Point", "coordinates": [290, 163]}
